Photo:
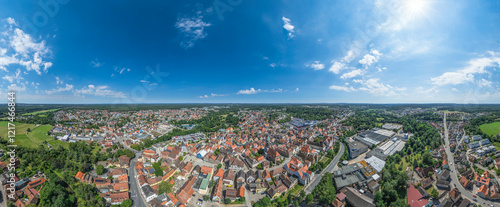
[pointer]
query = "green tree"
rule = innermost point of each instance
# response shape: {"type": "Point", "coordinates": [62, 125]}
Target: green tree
{"type": "Point", "coordinates": [227, 201]}
{"type": "Point", "coordinates": [219, 166]}
{"type": "Point", "coordinates": [434, 193]}
{"type": "Point", "coordinates": [309, 198]}
{"type": "Point", "coordinates": [99, 169]}
{"type": "Point", "coordinates": [164, 187]}
{"type": "Point", "coordinates": [126, 203]}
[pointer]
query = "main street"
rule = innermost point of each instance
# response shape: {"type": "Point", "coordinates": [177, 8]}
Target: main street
{"type": "Point", "coordinates": [453, 172]}
{"type": "Point", "coordinates": [317, 178]}
{"type": "Point", "coordinates": [135, 190]}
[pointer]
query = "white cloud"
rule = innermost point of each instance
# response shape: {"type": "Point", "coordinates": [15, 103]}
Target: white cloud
{"type": "Point", "coordinates": [11, 21]}
{"type": "Point", "coordinates": [352, 74]}
{"type": "Point", "coordinates": [121, 70]}
{"type": "Point", "coordinates": [288, 27]}
{"type": "Point", "coordinates": [374, 87]}
{"type": "Point", "coordinates": [8, 78]}
{"type": "Point", "coordinates": [253, 91]}
{"type": "Point", "coordinates": [466, 74]}
{"type": "Point", "coordinates": [342, 64]}
{"type": "Point", "coordinates": [342, 88]}
{"type": "Point", "coordinates": [59, 81]}
{"type": "Point", "coordinates": [11, 78]}
{"type": "Point", "coordinates": [272, 65]}
{"type": "Point", "coordinates": [484, 83]}
{"type": "Point", "coordinates": [18, 88]}
{"type": "Point", "coordinates": [102, 91]}
{"type": "Point", "coordinates": [21, 49]}
{"type": "Point", "coordinates": [381, 68]}
{"type": "Point", "coordinates": [59, 89]}
{"type": "Point", "coordinates": [248, 91]}
{"type": "Point", "coordinates": [95, 63]}
{"type": "Point", "coordinates": [297, 89]}
{"type": "Point", "coordinates": [212, 95]}
{"type": "Point", "coordinates": [370, 58]}
{"type": "Point", "coordinates": [316, 65]}
{"type": "Point", "coordinates": [192, 29]}
{"type": "Point", "coordinates": [337, 67]}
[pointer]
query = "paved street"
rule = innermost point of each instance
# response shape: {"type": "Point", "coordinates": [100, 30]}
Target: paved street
{"type": "Point", "coordinates": [317, 178]}
{"type": "Point", "coordinates": [135, 191]}
{"type": "Point", "coordinates": [453, 173]}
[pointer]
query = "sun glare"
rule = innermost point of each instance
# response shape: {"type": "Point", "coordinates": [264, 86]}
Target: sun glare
{"type": "Point", "coordinates": [415, 8]}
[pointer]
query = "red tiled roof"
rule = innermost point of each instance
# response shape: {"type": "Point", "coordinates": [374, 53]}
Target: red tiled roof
{"type": "Point", "coordinates": [415, 198]}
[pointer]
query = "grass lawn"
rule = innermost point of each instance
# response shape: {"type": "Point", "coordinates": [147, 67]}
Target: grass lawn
{"type": "Point", "coordinates": [491, 128]}
{"type": "Point", "coordinates": [20, 139]}
{"type": "Point", "coordinates": [410, 159]}
{"type": "Point", "coordinates": [324, 159]}
{"type": "Point", "coordinates": [497, 145]}
{"type": "Point", "coordinates": [96, 150]}
{"type": "Point", "coordinates": [39, 134]}
{"type": "Point", "coordinates": [56, 143]}
{"type": "Point", "coordinates": [296, 189]}
{"type": "Point", "coordinates": [429, 190]}
{"type": "Point", "coordinates": [40, 112]}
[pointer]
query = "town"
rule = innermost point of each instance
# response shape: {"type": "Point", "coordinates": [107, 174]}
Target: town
{"type": "Point", "coordinates": [221, 155]}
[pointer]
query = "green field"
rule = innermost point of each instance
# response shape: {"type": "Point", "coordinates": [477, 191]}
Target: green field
{"type": "Point", "coordinates": [39, 134]}
{"type": "Point", "coordinates": [39, 112]}
{"type": "Point", "coordinates": [20, 139]}
{"type": "Point", "coordinates": [36, 137]}
{"type": "Point", "coordinates": [491, 128]}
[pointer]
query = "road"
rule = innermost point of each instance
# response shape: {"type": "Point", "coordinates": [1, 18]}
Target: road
{"type": "Point", "coordinates": [135, 191]}
{"type": "Point", "coordinates": [317, 178]}
{"type": "Point", "coordinates": [453, 172]}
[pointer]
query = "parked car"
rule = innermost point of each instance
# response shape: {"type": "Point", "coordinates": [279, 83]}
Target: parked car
{"type": "Point", "coordinates": [200, 200]}
{"type": "Point", "coordinates": [474, 196]}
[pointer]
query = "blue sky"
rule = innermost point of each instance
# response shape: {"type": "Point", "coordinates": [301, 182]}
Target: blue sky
{"type": "Point", "coordinates": [241, 51]}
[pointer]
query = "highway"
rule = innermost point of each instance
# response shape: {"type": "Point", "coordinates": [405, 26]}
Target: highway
{"type": "Point", "coordinates": [453, 172]}
{"type": "Point", "coordinates": [317, 178]}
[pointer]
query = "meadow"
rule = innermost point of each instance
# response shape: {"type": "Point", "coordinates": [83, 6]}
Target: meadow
{"type": "Point", "coordinates": [491, 128]}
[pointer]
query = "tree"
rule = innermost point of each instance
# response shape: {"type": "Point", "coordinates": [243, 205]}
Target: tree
{"type": "Point", "coordinates": [227, 201]}
{"type": "Point", "coordinates": [325, 190]}
{"type": "Point", "coordinates": [219, 166]}
{"type": "Point", "coordinates": [206, 197]}
{"type": "Point", "coordinates": [126, 203]}
{"type": "Point", "coordinates": [164, 187]}
{"type": "Point", "coordinates": [259, 166]}
{"type": "Point", "coordinates": [28, 130]}
{"type": "Point", "coordinates": [309, 198]}
{"type": "Point", "coordinates": [99, 169]}
{"type": "Point", "coordinates": [217, 152]}
{"type": "Point", "coordinates": [211, 184]}
{"type": "Point", "coordinates": [181, 158]}
{"type": "Point", "coordinates": [434, 193]}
